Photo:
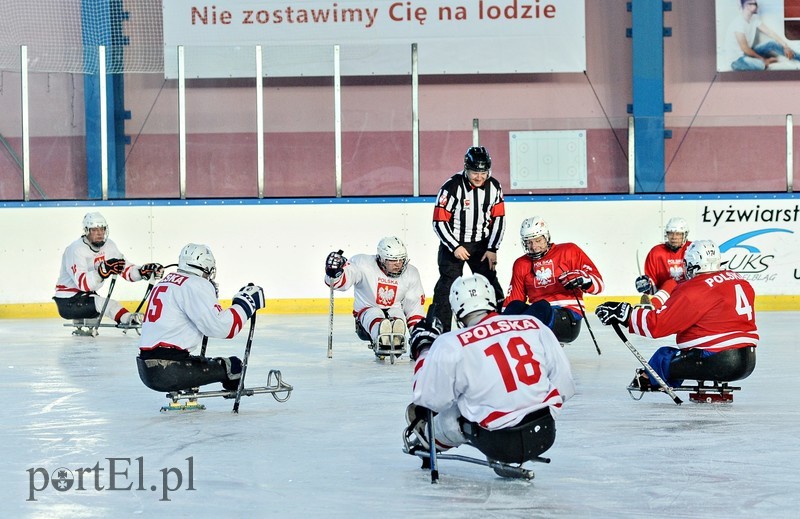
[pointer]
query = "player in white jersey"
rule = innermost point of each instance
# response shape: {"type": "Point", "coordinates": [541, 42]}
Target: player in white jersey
{"type": "Point", "coordinates": [496, 384]}
{"type": "Point", "coordinates": [389, 297]}
{"type": "Point", "coordinates": [86, 264]}
{"type": "Point", "coordinates": [183, 307]}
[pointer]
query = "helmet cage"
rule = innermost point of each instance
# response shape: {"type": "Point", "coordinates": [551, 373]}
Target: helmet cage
{"type": "Point", "coordinates": [95, 221]}
{"type": "Point", "coordinates": [676, 224]}
{"type": "Point", "coordinates": [391, 249]}
{"type": "Point", "coordinates": [533, 228]}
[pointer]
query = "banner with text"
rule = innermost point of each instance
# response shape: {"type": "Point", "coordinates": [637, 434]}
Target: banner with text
{"type": "Point", "coordinates": [374, 38]}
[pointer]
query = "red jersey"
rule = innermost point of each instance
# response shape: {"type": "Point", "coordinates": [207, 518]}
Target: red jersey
{"type": "Point", "coordinates": [713, 311]}
{"type": "Point", "coordinates": [665, 268]}
{"type": "Point", "coordinates": [533, 280]}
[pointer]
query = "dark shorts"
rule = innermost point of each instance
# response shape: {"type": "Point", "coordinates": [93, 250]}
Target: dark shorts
{"type": "Point", "coordinates": [523, 442]}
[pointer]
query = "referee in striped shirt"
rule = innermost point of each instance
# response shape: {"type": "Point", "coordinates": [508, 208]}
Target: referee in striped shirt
{"type": "Point", "coordinates": [469, 219]}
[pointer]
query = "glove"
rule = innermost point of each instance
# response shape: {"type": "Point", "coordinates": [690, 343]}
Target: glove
{"type": "Point", "coordinates": [250, 298]}
{"type": "Point", "coordinates": [151, 269]}
{"type": "Point", "coordinates": [423, 335]}
{"type": "Point", "coordinates": [575, 279]}
{"type": "Point", "coordinates": [645, 285]}
{"type": "Point", "coordinates": [334, 265]}
{"type": "Point", "coordinates": [111, 266]}
{"type": "Point", "coordinates": [612, 312]}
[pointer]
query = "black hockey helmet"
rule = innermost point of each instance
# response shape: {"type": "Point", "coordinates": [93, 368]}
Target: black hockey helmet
{"type": "Point", "coordinates": [477, 159]}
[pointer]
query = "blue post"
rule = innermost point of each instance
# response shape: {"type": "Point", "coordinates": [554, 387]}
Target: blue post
{"type": "Point", "coordinates": [101, 22]}
{"type": "Point", "coordinates": [647, 34]}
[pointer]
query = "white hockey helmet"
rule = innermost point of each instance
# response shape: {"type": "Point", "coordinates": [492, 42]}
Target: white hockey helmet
{"type": "Point", "coordinates": [676, 225]}
{"type": "Point", "coordinates": [95, 221]}
{"type": "Point", "coordinates": [198, 259]}
{"type": "Point", "coordinates": [391, 248]}
{"type": "Point", "coordinates": [702, 256]}
{"type": "Point", "coordinates": [531, 228]}
{"type": "Point", "coordinates": [470, 294]}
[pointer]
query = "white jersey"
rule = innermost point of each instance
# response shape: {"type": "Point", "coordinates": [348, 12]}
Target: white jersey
{"type": "Point", "coordinates": [182, 309]}
{"type": "Point", "coordinates": [79, 268]}
{"type": "Point", "coordinates": [496, 371]}
{"type": "Point", "coordinates": [373, 288]}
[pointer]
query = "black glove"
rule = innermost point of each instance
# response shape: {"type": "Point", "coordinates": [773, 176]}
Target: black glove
{"type": "Point", "coordinates": [110, 267]}
{"type": "Point", "coordinates": [645, 285]}
{"type": "Point", "coordinates": [575, 279]}
{"type": "Point", "coordinates": [423, 335]}
{"type": "Point", "coordinates": [250, 298]}
{"type": "Point", "coordinates": [334, 265]}
{"type": "Point", "coordinates": [151, 269]}
{"type": "Point", "coordinates": [612, 312]}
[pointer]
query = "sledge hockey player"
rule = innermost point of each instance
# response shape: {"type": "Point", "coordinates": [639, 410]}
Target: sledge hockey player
{"type": "Point", "coordinates": [549, 280]}
{"type": "Point", "coordinates": [389, 297]}
{"type": "Point", "coordinates": [85, 265]}
{"type": "Point", "coordinates": [663, 266]}
{"type": "Point", "coordinates": [713, 315]}
{"type": "Point", "coordinates": [496, 384]}
{"type": "Point", "coordinates": [183, 307]}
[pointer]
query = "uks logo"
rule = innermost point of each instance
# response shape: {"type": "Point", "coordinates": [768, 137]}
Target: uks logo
{"type": "Point", "coordinates": [746, 258]}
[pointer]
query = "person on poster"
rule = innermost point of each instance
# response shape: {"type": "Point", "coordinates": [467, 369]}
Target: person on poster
{"type": "Point", "coordinates": [742, 50]}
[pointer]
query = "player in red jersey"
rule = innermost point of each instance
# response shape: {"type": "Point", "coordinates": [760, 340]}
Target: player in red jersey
{"type": "Point", "coordinates": [663, 267]}
{"type": "Point", "coordinates": [549, 280]}
{"type": "Point", "coordinates": [713, 315]}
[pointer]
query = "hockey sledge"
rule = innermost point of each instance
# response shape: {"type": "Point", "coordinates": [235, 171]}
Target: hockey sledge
{"type": "Point", "coordinates": [429, 459]}
{"type": "Point", "coordinates": [186, 400]}
{"type": "Point", "coordinates": [504, 470]}
{"type": "Point", "coordinates": [717, 371]}
{"type": "Point", "coordinates": [716, 392]}
{"type": "Point", "coordinates": [391, 340]}
{"type": "Point", "coordinates": [90, 327]}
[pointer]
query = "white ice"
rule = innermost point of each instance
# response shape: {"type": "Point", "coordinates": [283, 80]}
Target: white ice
{"type": "Point", "coordinates": [334, 449]}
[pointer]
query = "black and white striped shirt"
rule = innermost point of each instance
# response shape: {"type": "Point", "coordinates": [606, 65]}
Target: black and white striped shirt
{"type": "Point", "coordinates": [467, 214]}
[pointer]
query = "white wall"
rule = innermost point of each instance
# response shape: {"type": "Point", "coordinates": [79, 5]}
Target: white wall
{"type": "Point", "coordinates": [282, 246]}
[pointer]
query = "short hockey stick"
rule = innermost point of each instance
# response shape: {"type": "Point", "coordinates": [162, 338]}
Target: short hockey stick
{"type": "Point", "coordinates": [244, 363]}
{"type": "Point", "coordinates": [432, 457]}
{"type": "Point", "coordinates": [588, 326]}
{"type": "Point", "coordinates": [150, 284]}
{"type": "Point", "coordinates": [105, 305]}
{"type": "Point", "coordinates": [330, 316]}
{"type": "Point", "coordinates": [647, 365]}
{"type": "Point", "coordinates": [330, 325]}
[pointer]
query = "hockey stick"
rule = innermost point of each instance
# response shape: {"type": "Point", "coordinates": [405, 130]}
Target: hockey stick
{"type": "Point", "coordinates": [105, 305]}
{"type": "Point", "coordinates": [205, 345]}
{"type": "Point", "coordinates": [244, 364]}
{"type": "Point", "coordinates": [330, 325]}
{"type": "Point", "coordinates": [432, 455]}
{"type": "Point", "coordinates": [150, 284]}
{"type": "Point", "coordinates": [588, 326]}
{"type": "Point", "coordinates": [330, 317]}
{"type": "Point", "coordinates": [647, 365]}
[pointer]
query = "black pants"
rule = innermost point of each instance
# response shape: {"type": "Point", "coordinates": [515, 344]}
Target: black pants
{"type": "Point", "coordinates": [725, 366]}
{"type": "Point", "coordinates": [172, 369]}
{"type": "Point", "coordinates": [565, 324]}
{"type": "Point", "coordinates": [525, 441]}
{"type": "Point", "coordinates": [79, 306]}
{"type": "Point", "coordinates": [450, 268]}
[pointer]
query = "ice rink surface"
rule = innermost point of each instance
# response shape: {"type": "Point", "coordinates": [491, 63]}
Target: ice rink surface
{"type": "Point", "coordinates": [334, 449]}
